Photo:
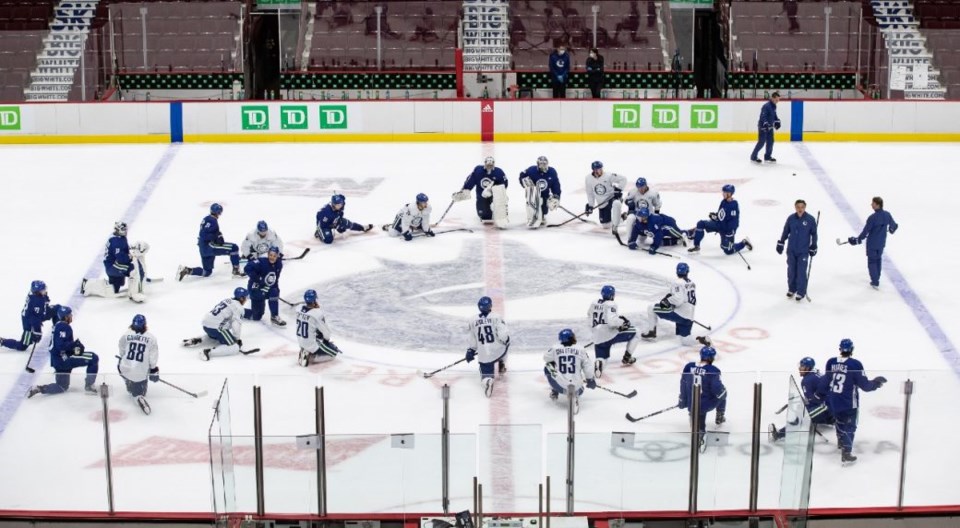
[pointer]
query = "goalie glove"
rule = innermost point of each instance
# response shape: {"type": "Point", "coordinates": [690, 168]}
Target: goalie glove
{"type": "Point", "coordinates": [553, 202]}
{"type": "Point", "coordinates": [526, 181]}
{"type": "Point", "coordinates": [461, 195]}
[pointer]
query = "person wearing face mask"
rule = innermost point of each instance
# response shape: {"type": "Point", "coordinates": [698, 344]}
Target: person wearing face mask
{"type": "Point", "coordinates": [595, 73]}
{"type": "Point", "coordinates": [559, 71]}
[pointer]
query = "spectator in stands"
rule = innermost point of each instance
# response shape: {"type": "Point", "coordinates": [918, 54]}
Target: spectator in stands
{"type": "Point", "coordinates": [370, 24]}
{"type": "Point", "coordinates": [560, 71]}
{"type": "Point", "coordinates": [552, 27]}
{"type": "Point", "coordinates": [342, 16]}
{"type": "Point", "coordinates": [595, 73]}
{"type": "Point", "coordinates": [790, 8]}
{"type": "Point", "coordinates": [427, 28]}
{"type": "Point", "coordinates": [631, 24]}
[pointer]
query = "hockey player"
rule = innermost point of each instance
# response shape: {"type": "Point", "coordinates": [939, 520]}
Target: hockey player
{"type": "Point", "coordinates": [263, 281]}
{"type": "Point", "coordinates": [604, 193]}
{"type": "Point", "coordinates": [330, 218]}
{"type": "Point", "coordinates": [816, 408]}
{"type": "Point", "coordinates": [677, 306]}
{"type": "Point", "coordinates": [138, 360]}
{"type": "Point", "coordinates": [120, 262]}
{"type": "Point", "coordinates": [840, 387]}
{"type": "Point", "coordinates": [488, 339]}
{"type": "Point", "coordinates": [491, 184]}
{"type": "Point", "coordinates": [542, 187]}
{"type": "Point", "coordinates": [765, 126]}
{"type": "Point", "coordinates": [713, 395]}
{"type": "Point", "coordinates": [313, 334]}
{"type": "Point", "coordinates": [568, 364]}
{"type": "Point", "coordinates": [725, 222]}
{"type": "Point", "coordinates": [36, 310]}
{"type": "Point", "coordinates": [222, 324]}
{"type": "Point", "coordinates": [875, 231]}
{"type": "Point", "coordinates": [412, 218]}
{"type": "Point", "coordinates": [801, 229]}
{"type": "Point", "coordinates": [663, 228]}
{"type": "Point", "coordinates": [610, 328]}
{"type": "Point", "coordinates": [211, 244]}
{"type": "Point", "coordinates": [259, 241]}
{"type": "Point", "coordinates": [66, 354]}
{"type": "Point", "coordinates": [643, 196]}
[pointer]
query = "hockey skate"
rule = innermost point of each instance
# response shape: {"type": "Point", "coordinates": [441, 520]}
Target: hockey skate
{"type": "Point", "coordinates": [144, 406]}
{"type": "Point", "coordinates": [775, 434]}
{"type": "Point", "coordinates": [628, 359]}
{"type": "Point", "coordinates": [277, 321]}
{"type": "Point", "coordinates": [238, 273]}
{"type": "Point", "coordinates": [488, 387]}
{"type": "Point", "coordinates": [798, 298]}
{"type": "Point", "coordinates": [367, 228]}
{"type": "Point", "coordinates": [770, 160]}
{"type": "Point", "coordinates": [192, 341]}
{"type": "Point", "coordinates": [554, 395]}
{"type": "Point", "coordinates": [33, 391]}
{"type": "Point", "coordinates": [790, 294]}
{"type": "Point", "coordinates": [303, 359]}
{"type": "Point", "coordinates": [502, 367]}
{"type": "Point", "coordinates": [182, 271]}
{"type": "Point", "coordinates": [83, 287]}
{"type": "Point", "coordinates": [652, 334]}
{"type": "Point", "coordinates": [90, 389]}
{"type": "Point", "coordinates": [694, 249]}
{"type": "Point", "coordinates": [746, 243]}
{"type": "Point", "coordinates": [205, 354]}
{"type": "Point", "coordinates": [847, 458]}
{"type": "Point", "coordinates": [720, 418]}
{"type": "Point", "coordinates": [704, 340]}
{"type": "Point", "coordinates": [756, 160]}
{"type": "Point", "coordinates": [598, 368]}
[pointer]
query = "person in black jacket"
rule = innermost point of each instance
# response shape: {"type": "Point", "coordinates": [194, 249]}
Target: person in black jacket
{"type": "Point", "coordinates": [595, 73]}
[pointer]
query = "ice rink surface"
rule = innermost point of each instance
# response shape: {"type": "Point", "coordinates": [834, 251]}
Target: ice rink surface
{"type": "Point", "coordinates": [396, 307]}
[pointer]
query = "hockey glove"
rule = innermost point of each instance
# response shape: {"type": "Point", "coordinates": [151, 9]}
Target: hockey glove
{"type": "Point", "coordinates": [591, 383]}
{"type": "Point", "coordinates": [681, 404]}
{"type": "Point", "coordinates": [665, 303]}
{"type": "Point", "coordinates": [779, 247]}
{"type": "Point", "coordinates": [552, 369]}
{"type": "Point", "coordinates": [408, 236]}
{"type": "Point", "coordinates": [632, 245]}
{"type": "Point", "coordinates": [652, 251]}
{"type": "Point", "coordinates": [892, 230]}
{"type": "Point", "coordinates": [713, 217]}
{"type": "Point", "coordinates": [617, 194]}
{"type": "Point", "coordinates": [813, 251]}
{"type": "Point", "coordinates": [553, 202]}
{"type": "Point", "coordinates": [588, 210]}
{"type": "Point", "coordinates": [879, 381]}
{"type": "Point", "coordinates": [430, 233]}
{"type": "Point", "coordinates": [78, 348]}
{"type": "Point", "coordinates": [853, 241]}
{"type": "Point", "coordinates": [471, 353]}
{"type": "Point", "coordinates": [776, 124]}
{"type": "Point", "coordinates": [461, 195]}
{"type": "Point", "coordinates": [525, 181]}
{"type": "Point", "coordinates": [219, 240]}
{"type": "Point", "coordinates": [155, 374]}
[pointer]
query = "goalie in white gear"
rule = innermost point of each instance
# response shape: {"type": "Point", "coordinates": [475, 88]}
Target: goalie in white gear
{"type": "Point", "coordinates": [120, 261]}
{"type": "Point", "coordinates": [222, 324]}
{"type": "Point", "coordinates": [259, 241]}
{"type": "Point", "coordinates": [490, 341]}
{"type": "Point", "coordinates": [610, 328]}
{"type": "Point", "coordinates": [412, 217]}
{"type": "Point", "coordinates": [678, 307]}
{"type": "Point", "coordinates": [491, 184]}
{"type": "Point", "coordinates": [568, 364]}
{"type": "Point", "coordinates": [313, 334]}
{"type": "Point", "coordinates": [138, 360]}
{"type": "Point", "coordinates": [604, 193]}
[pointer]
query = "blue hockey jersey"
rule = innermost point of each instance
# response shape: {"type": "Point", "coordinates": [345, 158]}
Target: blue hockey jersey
{"type": "Point", "coordinates": [876, 229]}
{"type": "Point", "coordinates": [481, 180]}
{"type": "Point", "coordinates": [262, 275]}
{"type": "Point", "coordinates": [711, 387]}
{"type": "Point", "coordinates": [840, 385]}
{"type": "Point", "coordinates": [547, 182]}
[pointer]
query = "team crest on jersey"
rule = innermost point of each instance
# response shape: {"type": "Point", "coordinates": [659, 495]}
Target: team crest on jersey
{"type": "Point", "coordinates": [270, 279]}
{"type": "Point", "coordinates": [600, 189]}
{"type": "Point", "coordinates": [486, 182]}
{"type": "Point", "coordinates": [426, 306]}
{"type": "Point", "coordinates": [542, 185]}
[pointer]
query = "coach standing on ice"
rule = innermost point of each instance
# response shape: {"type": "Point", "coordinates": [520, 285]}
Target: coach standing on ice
{"type": "Point", "coordinates": [767, 123]}
{"type": "Point", "coordinates": [801, 229]}
{"type": "Point", "coordinates": [878, 225]}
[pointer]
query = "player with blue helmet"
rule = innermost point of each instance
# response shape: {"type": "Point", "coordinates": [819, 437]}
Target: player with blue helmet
{"type": "Point", "coordinates": [330, 220]}
{"type": "Point", "coordinates": [138, 357]}
{"type": "Point", "coordinates": [412, 218]}
{"type": "Point", "coordinates": [815, 406]}
{"type": "Point", "coordinates": [678, 307]}
{"type": "Point", "coordinates": [724, 222]}
{"type": "Point", "coordinates": [489, 342]}
{"type": "Point", "coordinates": [66, 354]}
{"type": "Point", "coordinates": [211, 244]}
{"type": "Point", "coordinates": [263, 281]}
{"type": "Point", "coordinates": [568, 364]}
{"type": "Point", "coordinates": [661, 227]}
{"type": "Point", "coordinates": [713, 395]}
{"type": "Point", "coordinates": [259, 241]}
{"type": "Point", "coordinates": [222, 325]}
{"type": "Point", "coordinates": [36, 310]}
{"type": "Point", "coordinates": [610, 328]}
{"type": "Point", "coordinates": [313, 334]}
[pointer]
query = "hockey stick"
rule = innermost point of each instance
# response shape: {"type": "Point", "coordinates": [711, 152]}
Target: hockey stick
{"type": "Point", "coordinates": [446, 231]}
{"type": "Point", "coordinates": [290, 304]}
{"type": "Point", "coordinates": [28, 368]}
{"type": "Point", "coordinates": [444, 215]}
{"type": "Point", "coordinates": [744, 260]}
{"type": "Point", "coordinates": [620, 240]}
{"type": "Point", "coordinates": [842, 242]}
{"type": "Point", "coordinates": [781, 409]}
{"type": "Point", "coordinates": [810, 265]}
{"type": "Point", "coordinates": [428, 374]}
{"type": "Point", "coordinates": [703, 325]}
{"type": "Point", "coordinates": [153, 279]}
{"type": "Point", "coordinates": [304, 254]}
{"type": "Point", "coordinates": [631, 395]}
{"type": "Point", "coordinates": [581, 215]}
{"type": "Point", "coordinates": [569, 212]}
{"type": "Point", "coordinates": [632, 419]}
{"type": "Point", "coordinates": [251, 351]}
{"type": "Point", "coordinates": [185, 391]}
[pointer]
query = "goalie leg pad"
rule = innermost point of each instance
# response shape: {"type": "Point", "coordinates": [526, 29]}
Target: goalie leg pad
{"type": "Point", "coordinates": [136, 289]}
{"type": "Point", "coordinates": [534, 207]}
{"type": "Point", "coordinates": [500, 215]}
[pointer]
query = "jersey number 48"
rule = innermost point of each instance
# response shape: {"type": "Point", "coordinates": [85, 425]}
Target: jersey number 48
{"type": "Point", "coordinates": [485, 335]}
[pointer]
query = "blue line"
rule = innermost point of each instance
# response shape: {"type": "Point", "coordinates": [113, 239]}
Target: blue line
{"type": "Point", "coordinates": [796, 120]}
{"type": "Point", "coordinates": [176, 122]}
{"type": "Point", "coordinates": [907, 293]}
{"type": "Point", "coordinates": [19, 390]}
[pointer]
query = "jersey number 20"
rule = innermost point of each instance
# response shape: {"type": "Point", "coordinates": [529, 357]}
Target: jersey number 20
{"type": "Point", "coordinates": [302, 328]}
{"type": "Point", "coordinates": [135, 353]}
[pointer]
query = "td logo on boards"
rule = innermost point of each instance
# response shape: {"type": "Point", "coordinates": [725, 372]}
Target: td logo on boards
{"type": "Point", "coordinates": [255, 117]}
{"type": "Point", "coordinates": [9, 118]}
{"type": "Point", "coordinates": [666, 116]}
{"type": "Point", "coordinates": [293, 117]}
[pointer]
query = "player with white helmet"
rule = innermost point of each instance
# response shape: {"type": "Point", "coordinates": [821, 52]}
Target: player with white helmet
{"type": "Point", "coordinates": [121, 261]}
{"type": "Point", "coordinates": [542, 186]}
{"type": "Point", "coordinates": [604, 193]}
{"type": "Point", "coordinates": [412, 218]}
{"type": "Point", "coordinates": [313, 334]}
{"type": "Point", "coordinates": [490, 341]}
{"type": "Point", "coordinates": [138, 360]}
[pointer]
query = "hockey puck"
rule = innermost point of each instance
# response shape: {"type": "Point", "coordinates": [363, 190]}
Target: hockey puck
{"type": "Point", "coordinates": [794, 174]}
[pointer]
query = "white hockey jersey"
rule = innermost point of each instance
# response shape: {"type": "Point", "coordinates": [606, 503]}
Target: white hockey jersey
{"type": "Point", "coordinates": [683, 297]}
{"type": "Point", "coordinates": [603, 318]}
{"type": "Point", "coordinates": [649, 199]}
{"type": "Point", "coordinates": [599, 190]}
{"type": "Point", "coordinates": [227, 314]}
{"type": "Point", "coordinates": [411, 217]}
{"type": "Point", "coordinates": [311, 328]}
{"type": "Point", "coordinates": [138, 355]}
{"type": "Point", "coordinates": [260, 245]}
{"type": "Point", "coordinates": [573, 364]}
{"type": "Point", "coordinates": [489, 337]}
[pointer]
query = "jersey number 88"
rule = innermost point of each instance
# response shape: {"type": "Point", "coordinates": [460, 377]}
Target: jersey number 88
{"type": "Point", "coordinates": [135, 352]}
